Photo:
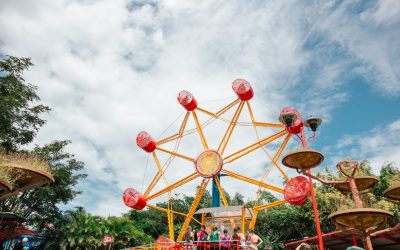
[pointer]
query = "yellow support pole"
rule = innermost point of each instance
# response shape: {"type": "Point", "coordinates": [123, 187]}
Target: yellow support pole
{"type": "Point", "coordinates": [221, 191]}
{"type": "Point", "coordinates": [176, 154]}
{"type": "Point", "coordinates": [269, 205]}
{"type": "Point", "coordinates": [242, 152]}
{"type": "Point", "coordinates": [173, 186]}
{"type": "Point", "coordinates": [252, 181]}
{"type": "Point", "coordinates": [171, 225]}
{"type": "Point", "coordinates": [278, 154]}
{"type": "Point", "coordinates": [153, 183]}
{"type": "Point", "coordinates": [229, 131]}
{"type": "Point", "coordinates": [199, 129]}
{"type": "Point", "coordinates": [195, 203]}
{"type": "Point", "coordinates": [253, 220]}
{"type": "Point", "coordinates": [243, 219]}
{"type": "Point", "coordinates": [159, 167]}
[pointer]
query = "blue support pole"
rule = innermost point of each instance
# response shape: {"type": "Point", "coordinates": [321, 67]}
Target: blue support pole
{"type": "Point", "coordinates": [216, 197]}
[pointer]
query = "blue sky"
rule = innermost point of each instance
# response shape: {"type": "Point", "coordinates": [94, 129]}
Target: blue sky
{"type": "Point", "coordinates": [109, 69]}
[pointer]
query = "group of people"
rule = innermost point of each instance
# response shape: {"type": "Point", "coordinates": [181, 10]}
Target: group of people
{"type": "Point", "coordinates": [222, 239]}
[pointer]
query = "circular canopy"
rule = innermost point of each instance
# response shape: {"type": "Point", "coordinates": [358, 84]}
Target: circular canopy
{"type": "Point", "coordinates": [363, 183]}
{"type": "Point", "coordinates": [303, 158]}
{"type": "Point", "coordinates": [393, 193]}
{"type": "Point", "coordinates": [361, 218]}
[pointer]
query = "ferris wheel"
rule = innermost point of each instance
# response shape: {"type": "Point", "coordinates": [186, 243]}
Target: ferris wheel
{"type": "Point", "coordinates": [213, 160]}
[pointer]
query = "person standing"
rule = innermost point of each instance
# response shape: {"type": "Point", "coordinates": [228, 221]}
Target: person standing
{"type": "Point", "coordinates": [254, 240]}
{"type": "Point", "coordinates": [242, 238]}
{"type": "Point", "coordinates": [215, 238]}
{"type": "Point", "coordinates": [203, 236]}
{"type": "Point", "coordinates": [235, 239]}
{"type": "Point", "coordinates": [225, 240]}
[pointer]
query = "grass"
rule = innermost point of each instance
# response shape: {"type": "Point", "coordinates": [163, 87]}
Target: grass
{"type": "Point", "coordinates": [24, 160]}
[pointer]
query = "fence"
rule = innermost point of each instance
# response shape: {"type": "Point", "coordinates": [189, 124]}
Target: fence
{"type": "Point", "coordinates": [199, 245]}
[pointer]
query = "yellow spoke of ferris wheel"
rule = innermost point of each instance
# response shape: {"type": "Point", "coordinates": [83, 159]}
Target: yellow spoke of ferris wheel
{"type": "Point", "coordinates": [278, 153]}
{"type": "Point", "coordinates": [172, 211]}
{"type": "Point", "coordinates": [242, 152]}
{"type": "Point", "coordinates": [269, 205]}
{"type": "Point", "coordinates": [274, 159]}
{"type": "Point", "coordinates": [176, 154]}
{"type": "Point", "coordinates": [177, 135]}
{"type": "Point", "coordinates": [159, 174]}
{"type": "Point", "coordinates": [221, 111]}
{"type": "Point", "coordinates": [231, 127]}
{"type": "Point", "coordinates": [257, 209]}
{"type": "Point", "coordinates": [252, 181]}
{"type": "Point", "coordinates": [199, 130]}
{"type": "Point", "coordinates": [193, 208]}
{"type": "Point", "coordinates": [173, 186]}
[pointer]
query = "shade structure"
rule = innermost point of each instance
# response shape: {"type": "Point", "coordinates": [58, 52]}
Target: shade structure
{"type": "Point", "coordinates": [303, 159]}
{"type": "Point", "coordinates": [363, 183]}
{"type": "Point", "coordinates": [361, 218]}
{"type": "Point", "coordinates": [393, 193]}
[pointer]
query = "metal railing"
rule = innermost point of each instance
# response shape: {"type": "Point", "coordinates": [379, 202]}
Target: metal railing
{"type": "Point", "coordinates": [195, 245]}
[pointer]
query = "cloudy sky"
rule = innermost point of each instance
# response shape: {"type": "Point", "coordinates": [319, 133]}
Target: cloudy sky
{"type": "Point", "coordinates": [110, 69]}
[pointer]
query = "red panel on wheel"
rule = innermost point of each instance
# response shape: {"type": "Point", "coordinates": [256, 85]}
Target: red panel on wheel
{"type": "Point", "coordinates": [297, 190]}
{"type": "Point", "coordinates": [186, 99]}
{"type": "Point", "coordinates": [146, 142]}
{"type": "Point", "coordinates": [134, 199]}
{"type": "Point", "coordinates": [243, 89]}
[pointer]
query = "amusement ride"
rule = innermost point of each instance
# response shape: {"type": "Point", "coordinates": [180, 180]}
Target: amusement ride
{"type": "Point", "coordinates": [213, 162]}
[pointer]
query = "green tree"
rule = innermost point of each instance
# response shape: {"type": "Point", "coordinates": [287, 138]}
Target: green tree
{"type": "Point", "coordinates": [19, 112]}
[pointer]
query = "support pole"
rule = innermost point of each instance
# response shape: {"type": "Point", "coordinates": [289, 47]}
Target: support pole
{"type": "Point", "coordinates": [216, 197]}
{"type": "Point", "coordinates": [313, 199]}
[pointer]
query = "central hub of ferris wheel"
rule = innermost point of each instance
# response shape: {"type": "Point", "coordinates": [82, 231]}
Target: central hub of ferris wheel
{"type": "Point", "coordinates": [208, 163]}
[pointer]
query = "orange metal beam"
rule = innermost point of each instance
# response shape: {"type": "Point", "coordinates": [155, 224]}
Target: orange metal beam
{"type": "Point", "coordinates": [252, 181]}
{"type": "Point", "coordinates": [279, 153]}
{"type": "Point", "coordinates": [172, 211]}
{"type": "Point", "coordinates": [199, 130]}
{"type": "Point", "coordinates": [266, 124]}
{"type": "Point", "coordinates": [153, 183]}
{"type": "Point", "coordinates": [254, 146]}
{"type": "Point", "coordinates": [231, 127]}
{"type": "Point", "coordinates": [176, 154]}
{"type": "Point", "coordinates": [195, 204]}
{"type": "Point", "coordinates": [173, 186]}
{"type": "Point", "coordinates": [177, 135]}
{"type": "Point", "coordinates": [269, 205]}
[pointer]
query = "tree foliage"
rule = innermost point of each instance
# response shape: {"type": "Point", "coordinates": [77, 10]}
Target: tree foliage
{"type": "Point", "coordinates": [20, 120]}
{"type": "Point", "coordinates": [19, 111]}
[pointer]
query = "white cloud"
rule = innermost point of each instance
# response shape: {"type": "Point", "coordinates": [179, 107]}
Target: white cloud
{"type": "Point", "coordinates": [110, 69]}
{"type": "Point", "coordinates": [378, 146]}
